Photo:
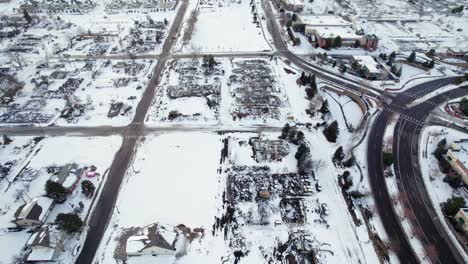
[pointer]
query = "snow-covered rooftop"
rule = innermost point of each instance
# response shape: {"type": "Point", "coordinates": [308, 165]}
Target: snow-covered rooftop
{"type": "Point", "coordinates": [324, 20]}
{"type": "Point", "coordinates": [41, 254]}
{"type": "Point", "coordinates": [333, 32]}
{"type": "Point", "coordinates": [294, 2]}
{"type": "Point", "coordinates": [368, 62]}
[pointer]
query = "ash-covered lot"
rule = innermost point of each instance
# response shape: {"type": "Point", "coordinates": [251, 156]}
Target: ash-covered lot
{"type": "Point", "coordinates": [221, 91]}
{"type": "Point", "coordinates": [76, 92]}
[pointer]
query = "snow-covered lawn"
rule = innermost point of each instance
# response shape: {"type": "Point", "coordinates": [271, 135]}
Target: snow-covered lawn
{"type": "Point", "coordinates": [226, 26]}
{"type": "Point", "coordinates": [173, 180]}
{"type": "Point", "coordinates": [30, 182]}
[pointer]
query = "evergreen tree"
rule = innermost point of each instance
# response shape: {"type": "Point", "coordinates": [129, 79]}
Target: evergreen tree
{"type": "Point", "coordinates": [285, 131]}
{"type": "Point", "coordinates": [55, 191]}
{"type": "Point", "coordinates": [392, 56]}
{"type": "Point", "coordinates": [331, 131]}
{"type": "Point", "coordinates": [69, 222]}
{"type": "Point", "coordinates": [453, 205]}
{"type": "Point", "coordinates": [430, 64]}
{"type": "Point", "coordinates": [337, 41]}
{"type": "Point", "coordinates": [387, 158]}
{"type": "Point", "coordinates": [310, 93]}
{"type": "Point", "coordinates": [300, 136]}
{"type": "Point", "coordinates": [338, 156]}
{"type": "Point", "coordinates": [87, 188]}
{"type": "Point", "coordinates": [313, 81]}
{"type": "Point", "coordinates": [324, 108]}
{"type": "Point", "coordinates": [453, 179]}
{"type": "Point", "coordinates": [464, 106]}
{"type": "Point", "coordinates": [302, 152]}
{"type": "Point", "coordinates": [440, 150]}
{"type": "Point", "coordinates": [350, 162]}
{"type": "Point", "coordinates": [412, 57]}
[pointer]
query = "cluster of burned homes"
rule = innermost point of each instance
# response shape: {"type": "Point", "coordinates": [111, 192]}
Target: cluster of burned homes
{"type": "Point", "coordinates": [57, 6]}
{"type": "Point", "coordinates": [259, 184]}
{"type": "Point", "coordinates": [140, 6]}
{"type": "Point", "coordinates": [256, 95]}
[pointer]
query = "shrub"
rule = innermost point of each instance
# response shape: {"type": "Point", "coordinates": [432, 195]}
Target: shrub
{"type": "Point", "coordinates": [387, 158]}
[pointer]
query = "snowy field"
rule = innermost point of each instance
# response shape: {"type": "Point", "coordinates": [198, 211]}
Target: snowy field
{"type": "Point", "coordinates": [225, 26]}
{"type": "Point", "coordinates": [29, 174]}
{"type": "Point", "coordinates": [173, 180]}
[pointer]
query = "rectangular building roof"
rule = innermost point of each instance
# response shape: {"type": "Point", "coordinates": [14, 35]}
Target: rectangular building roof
{"type": "Point", "coordinates": [324, 20]}
{"type": "Point", "coordinates": [368, 62]}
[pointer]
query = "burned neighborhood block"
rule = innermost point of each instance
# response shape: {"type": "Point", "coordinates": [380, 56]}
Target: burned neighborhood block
{"type": "Point", "coordinates": [270, 150]}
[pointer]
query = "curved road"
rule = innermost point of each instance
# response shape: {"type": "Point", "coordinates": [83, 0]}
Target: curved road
{"type": "Point", "coordinates": [405, 148]}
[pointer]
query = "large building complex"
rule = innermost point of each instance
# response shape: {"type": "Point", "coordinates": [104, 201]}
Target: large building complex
{"type": "Point", "coordinates": [323, 31]}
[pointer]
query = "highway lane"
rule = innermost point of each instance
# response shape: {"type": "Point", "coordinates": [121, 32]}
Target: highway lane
{"type": "Point", "coordinates": [384, 202]}
{"type": "Point", "coordinates": [407, 170]}
{"type": "Point", "coordinates": [406, 140]}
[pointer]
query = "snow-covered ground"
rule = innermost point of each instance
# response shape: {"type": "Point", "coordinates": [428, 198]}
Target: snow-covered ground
{"type": "Point", "coordinates": [173, 180]}
{"type": "Point", "coordinates": [33, 157]}
{"type": "Point", "coordinates": [225, 26]}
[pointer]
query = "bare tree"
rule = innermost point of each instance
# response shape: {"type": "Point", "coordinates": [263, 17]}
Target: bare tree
{"type": "Point", "coordinates": [190, 26]}
{"type": "Point", "coordinates": [318, 164]}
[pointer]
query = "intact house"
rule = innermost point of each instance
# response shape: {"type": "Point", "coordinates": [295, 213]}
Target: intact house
{"type": "Point", "coordinates": [45, 244]}
{"type": "Point", "coordinates": [155, 239]}
{"type": "Point", "coordinates": [457, 157]}
{"type": "Point", "coordinates": [68, 177]}
{"type": "Point", "coordinates": [323, 30]}
{"type": "Point", "coordinates": [367, 65]}
{"type": "Point", "coordinates": [462, 219]}
{"type": "Point", "coordinates": [33, 213]}
{"type": "Point", "coordinates": [294, 5]}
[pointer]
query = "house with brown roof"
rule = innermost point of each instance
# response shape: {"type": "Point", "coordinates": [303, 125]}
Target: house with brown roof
{"type": "Point", "coordinates": [153, 240]}
{"type": "Point", "coordinates": [34, 212]}
{"type": "Point", "coordinates": [45, 244]}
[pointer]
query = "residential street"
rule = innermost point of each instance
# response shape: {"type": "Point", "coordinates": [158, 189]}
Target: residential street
{"type": "Point", "coordinates": [405, 146]}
